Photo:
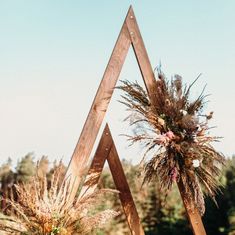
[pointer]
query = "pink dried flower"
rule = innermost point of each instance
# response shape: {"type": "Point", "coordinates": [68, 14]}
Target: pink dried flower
{"type": "Point", "coordinates": [174, 174]}
{"type": "Point", "coordinates": [162, 140]}
{"type": "Point", "coordinates": [170, 135]}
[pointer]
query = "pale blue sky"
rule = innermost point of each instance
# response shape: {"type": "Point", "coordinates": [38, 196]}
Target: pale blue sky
{"type": "Point", "coordinates": [53, 55]}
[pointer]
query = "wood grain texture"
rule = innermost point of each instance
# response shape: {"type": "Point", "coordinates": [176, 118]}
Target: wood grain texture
{"type": "Point", "coordinates": [193, 214]}
{"type": "Point", "coordinates": [97, 164]}
{"type": "Point", "coordinates": [150, 83]}
{"type": "Point", "coordinates": [125, 194]}
{"type": "Point", "coordinates": [97, 112]}
{"type": "Point", "coordinates": [141, 54]}
{"type": "Point", "coordinates": [106, 150]}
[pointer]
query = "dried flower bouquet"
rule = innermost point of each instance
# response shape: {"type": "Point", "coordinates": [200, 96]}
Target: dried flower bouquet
{"type": "Point", "coordinates": [46, 210]}
{"type": "Point", "coordinates": [175, 134]}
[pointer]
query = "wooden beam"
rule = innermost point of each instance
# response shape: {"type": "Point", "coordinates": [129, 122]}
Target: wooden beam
{"type": "Point", "coordinates": [98, 109]}
{"type": "Point", "coordinates": [141, 54]}
{"type": "Point", "coordinates": [97, 163]}
{"type": "Point", "coordinates": [106, 150]}
{"type": "Point", "coordinates": [125, 194]}
{"type": "Point", "coordinates": [193, 214]}
{"type": "Point", "coordinates": [150, 83]}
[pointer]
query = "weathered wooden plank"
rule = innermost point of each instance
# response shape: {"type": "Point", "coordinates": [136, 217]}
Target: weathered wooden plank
{"type": "Point", "coordinates": [141, 54]}
{"type": "Point", "coordinates": [106, 151]}
{"type": "Point", "coordinates": [193, 214]}
{"type": "Point", "coordinates": [149, 79]}
{"type": "Point", "coordinates": [98, 109]}
{"type": "Point", "coordinates": [97, 163]}
{"type": "Point", "coordinates": [125, 193]}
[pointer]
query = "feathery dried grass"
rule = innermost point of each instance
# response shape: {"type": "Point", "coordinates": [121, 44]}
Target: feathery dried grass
{"type": "Point", "coordinates": [174, 131]}
{"type": "Point", "coordinates": [43, 210]}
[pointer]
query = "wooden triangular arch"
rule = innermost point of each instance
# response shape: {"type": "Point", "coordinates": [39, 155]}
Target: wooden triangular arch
{"type": "Point", "coordinates": [129, 35]}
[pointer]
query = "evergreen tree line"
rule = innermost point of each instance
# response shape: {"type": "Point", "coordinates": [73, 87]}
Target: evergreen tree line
{"type": "Point", "coordinates": [159, 215]}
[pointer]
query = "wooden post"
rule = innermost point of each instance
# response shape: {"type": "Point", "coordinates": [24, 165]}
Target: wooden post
{"type": "Point", "coordinates": [98, 109]}
{"type": "Point", "coordinates": [129, 35]}
{"type": "Point", "coordinates": [141, 54]}
{"type": "Point", "coordinates": [150, 83]}
{"type": "Point", "coordinates": [193, 214]}
{"type": "Point", "coordinates": [97, 164]}
{"type": "Point", "coordinates": [106, 150]}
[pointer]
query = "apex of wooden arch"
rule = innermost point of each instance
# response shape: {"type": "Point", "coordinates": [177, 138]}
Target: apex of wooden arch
{"type": "Point", "coordinates": [128, 36]}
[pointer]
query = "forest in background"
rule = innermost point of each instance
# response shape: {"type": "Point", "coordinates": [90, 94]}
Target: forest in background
{"type": "Point", "coordinates": [158, 215]}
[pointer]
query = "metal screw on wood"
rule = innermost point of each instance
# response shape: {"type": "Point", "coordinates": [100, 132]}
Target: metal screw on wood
{"type": "Point", "coordinates": [106, 149]}
{"type": "Point", "coordinates": [106, 133]}
{"type": "Point", "coordinates": [131, 16]}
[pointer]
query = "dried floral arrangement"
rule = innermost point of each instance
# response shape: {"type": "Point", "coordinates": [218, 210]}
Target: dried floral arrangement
{"type": "Point", "coordinates": [47, 210]}
{"type": "Point", "coordinates": [175, 134]}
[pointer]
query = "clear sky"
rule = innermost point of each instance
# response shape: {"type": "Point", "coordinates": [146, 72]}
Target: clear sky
{"type": "Point", "coordinates": [53, 55]}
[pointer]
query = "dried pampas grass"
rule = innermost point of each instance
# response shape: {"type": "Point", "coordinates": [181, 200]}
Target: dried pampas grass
{"type": "Point", "coordinates": [46, 210]}
{"type": "Point", "coordinates": [176, 137]}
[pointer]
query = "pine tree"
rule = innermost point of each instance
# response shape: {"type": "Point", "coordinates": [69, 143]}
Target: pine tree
{"type": "Point", "coordinates": [25, 169]}
{"type": "Point", "coordinates": [7, 181]}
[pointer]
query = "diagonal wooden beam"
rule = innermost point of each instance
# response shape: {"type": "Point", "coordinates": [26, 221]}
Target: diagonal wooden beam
{"type": "Point", "coordinates": [150, 83]}
{"type": "Point", "coordinates": [106, 150]}
{"type": "Point", "coordinates": [97, 164]}
{"type": "Point", "coordinates": [141, 54]}
{"type": "Point", "coordinates": [193, 214]}
{"type": "Point", "coordinates": [98, 109]}
{"type": "Point", "coordinates": [125, 193]}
